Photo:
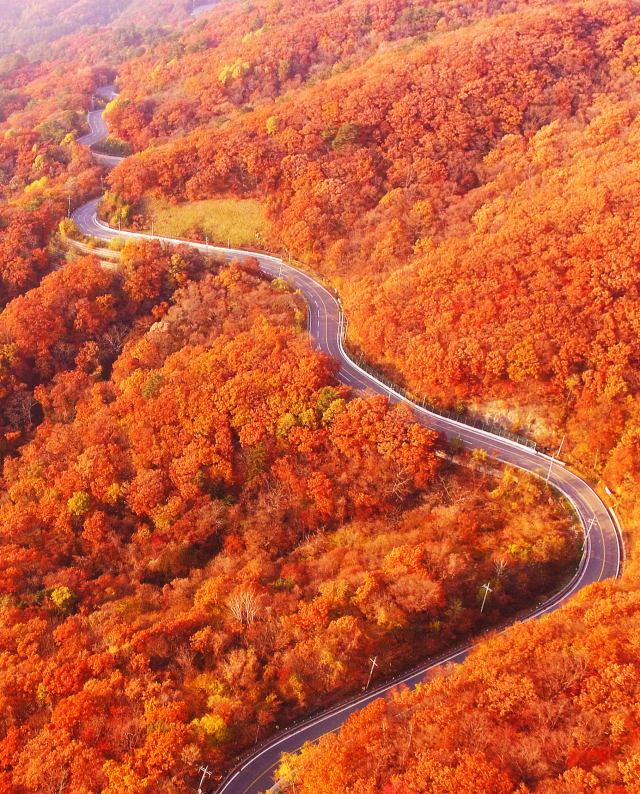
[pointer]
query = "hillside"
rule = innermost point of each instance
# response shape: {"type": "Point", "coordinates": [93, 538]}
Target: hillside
{"type": "Point", "coordinates": [28, 23]}
{"type": "Point", "coordinates": [549, 707]}
{"type": "Point", "coordinates": [204, 535]}
{"type": "Point", "coordinates": [468, 187]}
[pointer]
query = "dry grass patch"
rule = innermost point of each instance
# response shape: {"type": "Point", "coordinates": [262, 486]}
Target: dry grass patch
{"type": "Point", "coordinates": [237, 222]}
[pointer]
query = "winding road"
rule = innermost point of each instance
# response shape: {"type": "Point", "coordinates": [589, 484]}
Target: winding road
{"type": "Point", "coordinates": [602, 550]}
{"type": "Point", "coordinates": [99, 129]}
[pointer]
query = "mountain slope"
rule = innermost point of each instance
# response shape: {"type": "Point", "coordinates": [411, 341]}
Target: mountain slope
{"type": "Point", "coordinates": [24, 23]}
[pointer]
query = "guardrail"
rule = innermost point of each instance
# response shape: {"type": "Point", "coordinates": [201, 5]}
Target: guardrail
{"type": "Point", "coordinates": [101, 253]}
{"type": "Point", "coordinates": [479, 424]}
{"type": "Point", "coordinates": [425, 666]}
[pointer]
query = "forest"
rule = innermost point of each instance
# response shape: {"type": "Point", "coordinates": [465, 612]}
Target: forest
{"type": "Point", "coordinates": [204, 535]}
{"type": "Point", "coordinates": [562, 720]}
{"type": "Point", "coordinates": [480, 229]}
{"type": "Point", "coordinates": [33, 25]}
{"type": "Point", "coordinates": [207, 574]}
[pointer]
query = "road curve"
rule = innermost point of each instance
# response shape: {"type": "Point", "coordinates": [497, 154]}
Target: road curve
{"type": "Point", "coordinates": [202, 9]}
{"type": "Point", "coordinates": [99, 130]}
{"type": "Point", "coordinates": [602, 550]}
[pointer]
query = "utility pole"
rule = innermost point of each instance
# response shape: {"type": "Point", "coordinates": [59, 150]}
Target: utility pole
{"type": "Point", "coordinates": [228, 242]}
{"type": "Point", "coordinates": [205, 773]}
{"type": "Point", "coordinates": [69, 210]}
{"type": "Point", "coordinates": [549, 472]}
{"type": "Point", "coordinates": [206, 242]}
{"type": "Point", "coordinates": [552, 457]}
{"type": "Point", "coordinates": [487, 590]}
{"type": "Point", "coordinates": [373, 664]}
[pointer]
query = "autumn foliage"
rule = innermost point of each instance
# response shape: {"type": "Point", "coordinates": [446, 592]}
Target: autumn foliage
{"type": "Point", "coordinates": [214, 539]}
{"type": "Point", "coordinates": [480, 228]}
{"type": "Point", "coordinates": [465, 176]}
{"type": "Point", "coordinates": [203, 534]}
{"type": "Point", "coordinates": [35, 26]}
{"type": "Point", "coordinates": [547, 707]}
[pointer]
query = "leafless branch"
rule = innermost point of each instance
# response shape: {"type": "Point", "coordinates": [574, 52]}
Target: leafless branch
{"type": "Point", "coordinates": [244, 604]}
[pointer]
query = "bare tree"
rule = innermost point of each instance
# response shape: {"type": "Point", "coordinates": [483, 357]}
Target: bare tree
{"type": "Point", "coordinates": [500, 568]}
{"type": "Point", "coordinates": [113, 340]}
{"type": "Point", "coordinates": [456, 493]}
{"type": "Point", "coordinates": [184, 658]}
{"type": "Point", "coordinates": [244, 604]}
{"type": "Point", "coordinates": [19, 407]}
{"type": "Point", "coordinates": [401, 485]}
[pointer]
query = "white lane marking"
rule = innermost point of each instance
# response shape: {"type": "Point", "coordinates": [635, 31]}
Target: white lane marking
{"type": "Point", "coordinates": [527, 455]}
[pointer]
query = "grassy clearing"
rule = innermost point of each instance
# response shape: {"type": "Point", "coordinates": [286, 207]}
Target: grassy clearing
{"type": "Point", "coordinates": [239, 222]}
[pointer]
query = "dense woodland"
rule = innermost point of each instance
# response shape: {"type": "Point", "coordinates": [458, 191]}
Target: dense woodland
{"type": "Point", "coordinates": [415, 200]}
{"type": "Point", "coordinates": [213, 540]}
{"type": "Point", "coordinates": [203, 535]}
{"type": "Point", "coordinates": [466, 181]}
{"type": "Point", "coordinates": [551, 707]}
{"type": "Point", "coordinates": [34, 25]}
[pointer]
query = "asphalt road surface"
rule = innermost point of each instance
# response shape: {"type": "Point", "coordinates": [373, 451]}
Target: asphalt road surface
{"type": "Point", "coordinates": [107, 92]}
{"type": "Point", "coordinates": [98, 127]}
{"type": "Point", "coordinates": [202, 9]}
{"type": "Point", "coordinates": [602, 549]}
